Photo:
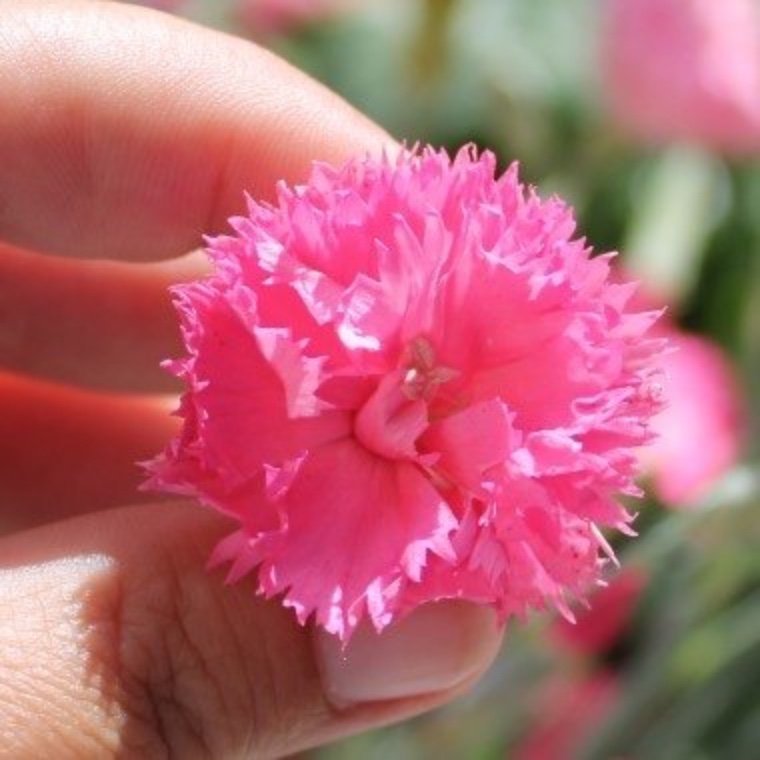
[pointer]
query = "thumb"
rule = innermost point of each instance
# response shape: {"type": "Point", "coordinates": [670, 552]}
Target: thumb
{"type": "Point", "coordinates": [115, 641]}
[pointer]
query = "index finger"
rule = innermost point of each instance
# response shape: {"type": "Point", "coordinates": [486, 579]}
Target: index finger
{"type": "Point", "coordinates": [125, 133]}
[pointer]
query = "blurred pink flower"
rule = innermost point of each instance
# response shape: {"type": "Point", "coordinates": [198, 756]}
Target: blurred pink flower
{"type": "Point", "coordinates": [570, 710]}
{"type": "Point", "coordinates": [268, 16]}
{"type": "Point", "coordinates": [570, 706]}
{"type": "Point", "coordinates": [407, 382]}
{"type": "Point", "coordinates": [701, 430]}
{"type": "Point", "coordinates": [685, 70]}
{"type": "Point", "coordinates": [604, 623]}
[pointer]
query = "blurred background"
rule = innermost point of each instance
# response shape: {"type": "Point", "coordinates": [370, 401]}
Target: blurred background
{"type": "Point", "coordinates": [645, 115]}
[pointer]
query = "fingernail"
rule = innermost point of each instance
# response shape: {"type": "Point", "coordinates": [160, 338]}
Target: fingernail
{"type": "Point", "coordinates": [436, 648]}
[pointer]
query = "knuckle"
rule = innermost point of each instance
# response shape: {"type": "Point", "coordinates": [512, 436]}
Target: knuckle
{"type": "Point", "coordinates": [161, 662]}
{"type": "Point", "coordinates": [198, 669]}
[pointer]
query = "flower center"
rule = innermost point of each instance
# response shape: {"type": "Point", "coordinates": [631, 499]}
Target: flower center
{"type": "Point", "coordinates": [422, 377]}
{"type": "Point", "coordinates": [396, 414]}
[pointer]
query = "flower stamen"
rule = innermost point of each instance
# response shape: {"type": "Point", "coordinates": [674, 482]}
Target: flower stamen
{"type": "Point", "coordinates": [423, 377]}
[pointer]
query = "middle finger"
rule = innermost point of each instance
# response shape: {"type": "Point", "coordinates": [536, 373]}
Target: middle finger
{"type": "Point", "coordinates": [65, 451]}
{"type": "Point", "coordinates": [100, 324]}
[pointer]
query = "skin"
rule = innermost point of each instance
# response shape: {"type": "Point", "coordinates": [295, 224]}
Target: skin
{"type": "Point", "coordinates": [124, 135]}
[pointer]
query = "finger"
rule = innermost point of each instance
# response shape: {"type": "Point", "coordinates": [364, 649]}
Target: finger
{"type": "Point", "coordinates": [125, 133]}
{"type": "Point", "coordinates": [115, 641]}
{"type": "Point", "coordinates": [64, 451]}
{"type": "Point", "coordinates": [102, 324]}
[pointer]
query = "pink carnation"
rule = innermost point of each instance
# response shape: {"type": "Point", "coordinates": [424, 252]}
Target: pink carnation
{"type": "Point", "coordinates": [685, 70]}
{"type": "Point", "coordinates": [701, 430]}
{"type": "Point", "coordinates": [407, 382]}
{"type": "Point", "coordinates": [279, 15]}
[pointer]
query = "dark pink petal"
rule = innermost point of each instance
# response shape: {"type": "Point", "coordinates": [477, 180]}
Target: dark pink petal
{"type": "Point", "coordinates": [355, 529]}
{"type": "Point", "coordinates": [472, 441]}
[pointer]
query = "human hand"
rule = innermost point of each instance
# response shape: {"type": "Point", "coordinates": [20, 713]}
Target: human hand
{"type": "Point", "coordinates": [124, 135]}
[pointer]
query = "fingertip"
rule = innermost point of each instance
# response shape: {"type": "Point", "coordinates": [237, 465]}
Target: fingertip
{"type": "Point", "coordinates": [435, 650]}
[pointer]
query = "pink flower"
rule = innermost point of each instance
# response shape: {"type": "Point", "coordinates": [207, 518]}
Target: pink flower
{"type": "Point", "coordinates": [571, 709]}
{"type": "Point", "coordinates": [685, 70]}
{"type": "Point", "coordinates": [270, 16]}
{"type": "Point", "coordinates": [599, 627]}
{"type": "Point", "coordinates": [570, 706]}
{"type": "Point", "coordinates": [406, 382]}
{"type": "Point", "coordinates": [701, 431]}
